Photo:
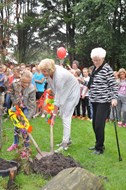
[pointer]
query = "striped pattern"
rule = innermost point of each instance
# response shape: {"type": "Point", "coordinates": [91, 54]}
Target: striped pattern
{"type": "Point", "coordinates": [104, 87]}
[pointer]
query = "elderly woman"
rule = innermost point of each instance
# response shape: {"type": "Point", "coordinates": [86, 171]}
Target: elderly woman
{"type": "Point", "coordinates": [67, 93]}
{"type": "Point", "coordinates": [103, 92]}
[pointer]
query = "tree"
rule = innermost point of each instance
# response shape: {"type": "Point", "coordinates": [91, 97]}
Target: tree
{"type": "Point", "coordinates": [41, 26]}
{"type": "Point", "coordinates": [101, 23]}
{"type": "Point", "coordinates": [5, 27]}
{"type": "Point", "coordinates": [27, 20]}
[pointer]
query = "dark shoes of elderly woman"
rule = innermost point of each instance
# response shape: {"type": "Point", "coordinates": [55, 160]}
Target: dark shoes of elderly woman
{"type": "Point", "coordinates": [97, 152]}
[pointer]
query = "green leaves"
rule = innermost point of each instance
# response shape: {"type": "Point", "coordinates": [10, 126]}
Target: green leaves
{"type": "Point", "coordinates": [42, 26]}
{"type": "Point", "coordinates": [98, 22]}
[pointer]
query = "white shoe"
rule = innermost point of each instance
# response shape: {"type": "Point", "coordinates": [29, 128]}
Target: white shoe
{"type": "Point", "coordinates": [62, 146]}
{"type": "Point", "coordinates": [59, 149]}
{"type": "Point", "coordinates": [59, 145]}
{"type": "Point", "coordinates": [43, 115]}
{"type": "Point", "coordinates": [36, 115]}
{"type": "Point", "coordinates": [62, 143]}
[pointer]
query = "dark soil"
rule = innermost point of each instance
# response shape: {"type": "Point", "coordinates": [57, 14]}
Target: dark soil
{"type": "Point", "coordinates": [4, 164]}
{"type": "Point", "coordinates": [53, 164]}
{"type": "Point", "coordinates": [5, 167]}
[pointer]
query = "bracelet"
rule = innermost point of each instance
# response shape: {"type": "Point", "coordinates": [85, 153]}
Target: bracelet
{"type": "Point", "coordinates": [54, 114]}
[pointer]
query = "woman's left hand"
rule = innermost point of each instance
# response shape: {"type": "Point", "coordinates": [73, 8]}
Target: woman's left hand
{"type": "Point", "coordinates": [114, 102]}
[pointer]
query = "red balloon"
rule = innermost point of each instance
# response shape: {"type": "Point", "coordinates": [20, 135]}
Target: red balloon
{"type": "Point", "coordinates": [61, 53]}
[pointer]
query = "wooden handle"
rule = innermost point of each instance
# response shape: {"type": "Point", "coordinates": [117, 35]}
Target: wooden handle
{"type": "Point", "coordinates": [51, 139]}
{"type": "Point", "coordinates": [35, 144]}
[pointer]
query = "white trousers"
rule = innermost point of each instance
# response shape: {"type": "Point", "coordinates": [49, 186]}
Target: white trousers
{"type": "Point", "coordinates": [66, 112]}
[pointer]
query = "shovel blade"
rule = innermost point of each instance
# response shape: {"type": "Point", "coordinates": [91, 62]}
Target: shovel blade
{"type": "Point", "coordinates": [43, 154]}
{"type": "Point", "coordinates": [38, 156]}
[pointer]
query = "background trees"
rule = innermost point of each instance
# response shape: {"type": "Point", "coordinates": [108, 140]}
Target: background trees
{"type": "Point", "coordinates": [34, 29]}
{"type": "Point", "coordinates": [102, 23]}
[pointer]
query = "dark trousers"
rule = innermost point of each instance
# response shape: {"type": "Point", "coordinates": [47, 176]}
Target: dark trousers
{"type": "Point", "coordinates": [77, 110]}
{"type": "Point", "coordinates": [100, 113]}
{"type": "Point", "coordinates": [23, 132]}
{"type": "Point", "coordinates": [7, 102]}
{"type": "Point", "coordinates": [86, 107]}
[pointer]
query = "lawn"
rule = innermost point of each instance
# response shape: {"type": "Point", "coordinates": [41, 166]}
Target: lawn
{"type": "Point", "coordinates": [107, 165]}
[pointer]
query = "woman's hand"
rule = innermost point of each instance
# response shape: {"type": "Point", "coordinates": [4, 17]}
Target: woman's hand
{"type": "Point", "coordinates": [83, 96]}
{"type": "Point", "coordinates": [55, 111]}
{"type": "Point", "coordinates": [114, 102]}
{"type": "Point", "coordinates": [80, 79]}
{"type": "Point", "coordinates": [53, 120]}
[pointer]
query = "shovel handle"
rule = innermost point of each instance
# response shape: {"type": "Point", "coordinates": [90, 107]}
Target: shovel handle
{"type": "Point", "coordinates": [34, 142]}
{"type": "Point", "coordinates": [51, 139]}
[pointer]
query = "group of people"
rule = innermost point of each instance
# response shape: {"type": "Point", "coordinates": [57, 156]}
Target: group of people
{"type": "Point", "coordinates": [121, 106]}
{"type": "Point", "coordinates": [98, 92]}
{"type": "Point", "coordinates": [83, 78]}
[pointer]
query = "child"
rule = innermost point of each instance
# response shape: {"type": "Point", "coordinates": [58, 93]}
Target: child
{"type": "Point", "coordinates": [85, 101]}
{"type": "Point", "coordinates": [122, 98]}
{"type": "Point", "coordinates": [40, 88]}
{"type": "Point", "coordinates": [77, 111]}
{"type": "Point", "coordinates": [2, 87]}
{"type": "Point", "coordinates": [23, 94]}
{"type": "Point", "coordinates": [2, 76]}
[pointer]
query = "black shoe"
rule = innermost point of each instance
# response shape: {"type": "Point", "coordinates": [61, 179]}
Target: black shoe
{"type": "Point", "coordinates": [98, 152]}
{"type": "Point", "coordinates": [91, 148]}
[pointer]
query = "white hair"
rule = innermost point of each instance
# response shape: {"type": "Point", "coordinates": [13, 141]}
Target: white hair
{"type": "Point", "coordinates": [98, 52]}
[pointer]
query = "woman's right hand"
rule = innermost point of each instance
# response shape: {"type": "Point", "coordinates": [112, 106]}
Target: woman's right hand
{"type": "Point", "coordinates": [52, 120]}
{"type": "Point", "coordinates": [114, 102]}
{"type": "Point", "coordinates": [83, 96]}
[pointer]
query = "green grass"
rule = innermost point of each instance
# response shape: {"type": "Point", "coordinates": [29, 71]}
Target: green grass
{"type": "Point", "coordinates": [106, 165]}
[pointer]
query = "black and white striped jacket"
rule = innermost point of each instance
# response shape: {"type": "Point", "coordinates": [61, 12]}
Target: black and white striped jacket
{"type": "Point", "coordinates": [104, 87]}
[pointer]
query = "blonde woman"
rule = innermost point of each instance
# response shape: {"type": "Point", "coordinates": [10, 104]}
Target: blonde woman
{"type": "Point", "coordinates": [122, 97]}
{"type": "Point", "coordinates": [67, 93]}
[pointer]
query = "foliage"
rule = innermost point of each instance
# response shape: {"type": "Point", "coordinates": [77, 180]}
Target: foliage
{"type": "Point", "coordinates": [100, 23]}
{"type": "Point", "coordinates": [43, 26]}
{"type": "Point", "coordinates": [107, 166]}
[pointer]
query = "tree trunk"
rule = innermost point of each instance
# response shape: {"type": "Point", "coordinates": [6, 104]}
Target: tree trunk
{"type": "Point", "coordinates": [70, 31]}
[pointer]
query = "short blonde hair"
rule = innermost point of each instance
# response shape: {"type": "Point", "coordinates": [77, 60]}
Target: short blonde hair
{"type": "Point", "coordinates": [47, 64]}
{"type": "Point", "coordinates": [16, 69]}
{"type": "Point", "coordinates": [122, 70]}
{"type": "Point", "coordinates": [78, 72]}
{"type": "Point", "coordinates": [98, 52]}
{"type": "Point", "coordinates": [85, 69]}
{"type": "Point", "coordinates": [27, 74]}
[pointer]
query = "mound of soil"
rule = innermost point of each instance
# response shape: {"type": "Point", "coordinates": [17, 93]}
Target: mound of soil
{"type": "Point", "coordinates": [5, 165]}
{"type": "Point", "coordinates": [53, 164]}
{"type": "Point", "coordinates": [6, 168]}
